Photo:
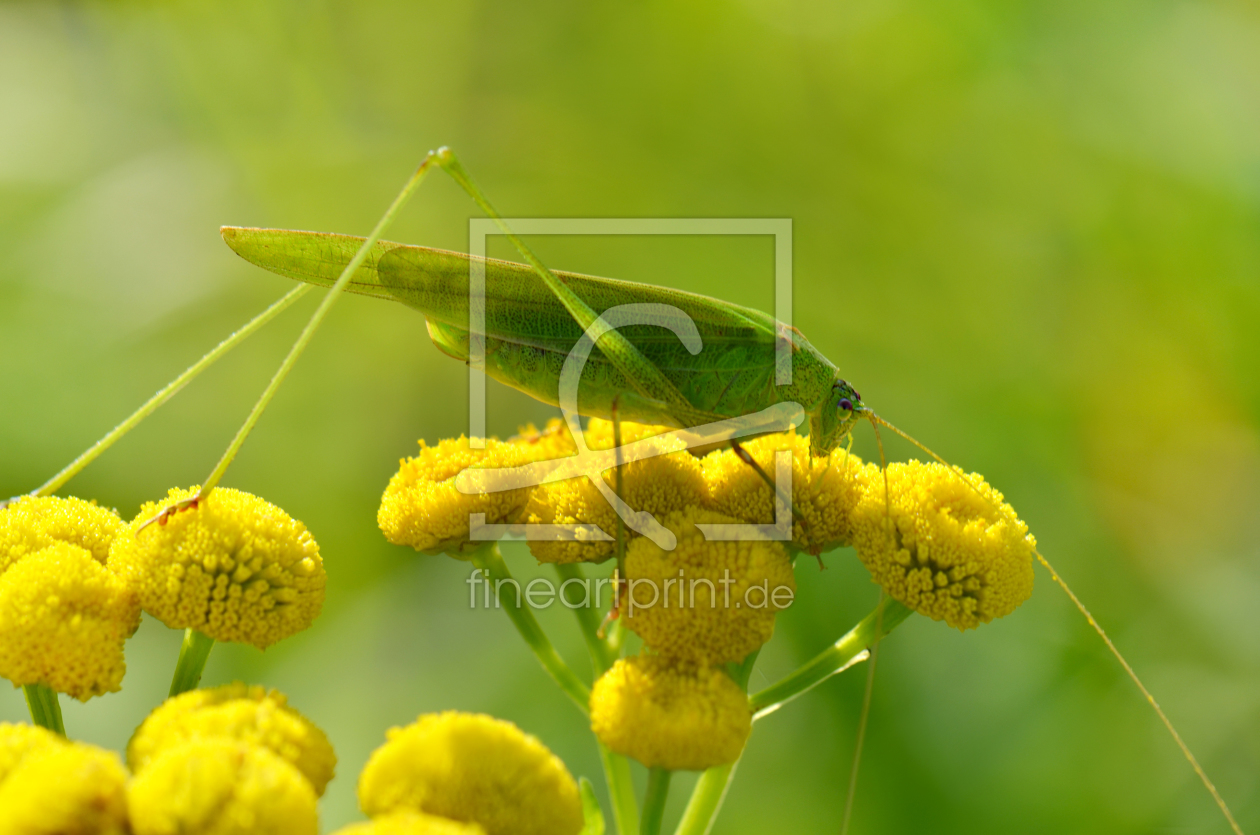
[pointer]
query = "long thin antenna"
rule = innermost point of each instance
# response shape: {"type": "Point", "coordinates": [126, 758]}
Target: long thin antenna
{"type": "Point", "coordinates": [1163, 717]}
{"type": "Point", "coordinates": [862, 721]}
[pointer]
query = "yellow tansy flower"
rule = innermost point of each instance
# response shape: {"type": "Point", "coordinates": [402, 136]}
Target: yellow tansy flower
{"type": "Point", "coordinates": [68, 789]}
{"type": "Point", "coordinates": [472, 768]}
{"type": "Point", "coordinates": [234, 567]}
{"type": "Point", "coordinates": [423, 508]}
{"type": "Point", "coordinates": [31, 524]}
{"type": "Point", "coordinates": [17, 741]}
{"type": "Point", "coordinates": [955, 552]}
{"type": "Point", "coordinates": [236, 711]}
{"type": "Point", "coordinates": [656, 485]}
{"type": "Point", "coordinates": [705, 602]}
{"type": "Point", "coordinates": [670, 715]}
{"type": "Point", "coordinates": [411, 823]}
{"type": "Point", "coordinates": [63, 620]}
{"type": "Point", "coordinates": [221, 787]}
{"type": "Point", "coordinates": [824, 490]}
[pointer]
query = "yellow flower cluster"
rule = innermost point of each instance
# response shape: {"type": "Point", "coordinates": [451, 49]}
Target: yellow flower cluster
{"type": "Point", "coordinates": [705, 602]}
{"type": "Point", "coordinates": [240, 712]}
{"type": "Point", "coordinates": [31, 524]}
{"type": "Point", "coordinates": [954, 550]}
{"type": "Point", "coordinates": [49, 786]}
{"type": "Point", "coordinates": [63, 620]}
{"type": "Point", "coordinates": [472, 769]}
{"type": "Point", "coordinates": [657, 485]}
{"type": "Point", "coordinates": [423, 508]}
{"type": "Point", "coordinates": [221, 786]}
{"type": "Point", "coordinates": [669, 714]}
{"type": "Point", "coordinates": [234, 567]}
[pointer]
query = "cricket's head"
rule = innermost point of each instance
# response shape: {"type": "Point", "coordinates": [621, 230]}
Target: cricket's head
{"type": "Point", "coordinates": [835, 418]}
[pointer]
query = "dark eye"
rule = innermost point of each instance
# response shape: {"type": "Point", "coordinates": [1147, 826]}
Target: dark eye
{"type": "Point", "coordinates": [845, 404]}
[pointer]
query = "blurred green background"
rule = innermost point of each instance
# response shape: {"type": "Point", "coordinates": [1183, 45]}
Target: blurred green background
{"type": "Point", "coordinates": [1028, 232]}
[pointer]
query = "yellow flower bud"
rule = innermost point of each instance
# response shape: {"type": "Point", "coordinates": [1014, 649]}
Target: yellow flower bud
{"type": "Point", "coordinates": [63, 620]}
{"type": "Point", "coordinates": [423, 508]}
{"type": "Point", "coordinates": [240, 712]}
{"type": "Point", "coordinates": [17, 741]}
{"type": "Point", "coordinates": [234, 567]}
{"type": "Point", "coordinates": [472, 768]}
{"type": "Point", "coordinates": [824, 490]}
{"type": "Point", "coordinates": [411, 823]}
{"type": "Point", "coordinates": [955, 551]}
{"type": "Point", "coordinates": [670, 715]}
{"type": "Point", "coordinates": [221, 787]}
{"type": "Point", "coordinates": [656, 485]}
{"type": "Point", "coordinates": [705, 602]}
{"type": "Point", "coordinates": [31, 524]}
{"type": "Point", "coordinates": [68, 789]}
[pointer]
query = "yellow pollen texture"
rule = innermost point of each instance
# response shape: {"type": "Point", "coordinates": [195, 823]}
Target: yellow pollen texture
{"type": "Point", "coordinates": [955, 550]}
{"type": "Point", "coordinates": [235, 567]}
{"type": "Point", "coordinates": [824, 490]}
{"type": "Point", "coordinates": [423, 508]}
{"type": "Point", "coordinates": [63, 620]}
{"type": "Point", "coordinates": [17, 741]}
{"type": "Point", "coordinates": [657, 485]}
{"type": "Point", "coordinates": [31, 524]}
{"type": "Point", "coordinates": [67, 789]}
{"type": "Point", "coordinates": [707, 602]}
{"type": "Point", "coordinates": [670, 715]}
{"type": "Point", "coordinates": [221, 787]}
{"type": "Point", "coordinates": [411, 823]}
{"type": "Point", "coordinates": [474, 769]}
{"type": "Point", "coordinates": [240, 712]}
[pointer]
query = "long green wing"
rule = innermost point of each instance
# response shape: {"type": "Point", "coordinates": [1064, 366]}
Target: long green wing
{"type": "Point", "coordinates": [530, 331]}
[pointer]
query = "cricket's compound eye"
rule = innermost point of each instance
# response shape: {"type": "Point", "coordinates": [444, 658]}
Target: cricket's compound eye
{"type": "Point", "coordinates": [845, 404]}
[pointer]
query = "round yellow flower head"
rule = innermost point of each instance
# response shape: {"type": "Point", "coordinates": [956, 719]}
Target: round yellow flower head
{"type": "Point", "coordinates": [411, 823]}
{"type": "Point", "coordinates": [670, 715]}
{"type": "Point", "coordinates": [955, 552]}
{"type": "Point", "coordinates": [235, 567]}
{"type": "Point", "coordinates": [221, 787]}
{"type": "Point", "coordinates": [236, 711]}
{"type": "Point", "coordinates": [824, 490]}
{"type": "Point", "coordinates": [476, 769]}
{"type": "Point", "coordinates": [63, 620]}
{"type": "Point", "coordinates": [68, 789]}
{"type": "Point", "coordinates": [423, 508]}
{"type": "Point", "coordinates": [656, 485]}
{"type": "Point", "coordinates": [705, 602]}
{"type": "Point", "coordinates": [17, 741]}
{"type": "Point", "coordinates": [31, 524]}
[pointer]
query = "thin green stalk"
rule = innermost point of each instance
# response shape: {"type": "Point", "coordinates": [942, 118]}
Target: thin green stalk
{"type": "Point", "coordinates": [602, 653]}
{"type": "Point", "coordinates": [316, 319]}
{"type": "Point", "coordinates": [654, 800]}
{"type": "Point", "coordinates": [490, 560]}
{"type": "Point", "coordinates": [832, 660]}
{"type": "Point", "coordinates": [192, 660]}
{"type": "Point", "coordinates": [863, 719]}
{"type": "Point", "coordinates": [706, 799]}
{"type": "Point", "coordinates": [620, 791]}
{"type": "Point", "coordinates": [76, 466]}
{"type": "Point", "coordinates": [45, 710]}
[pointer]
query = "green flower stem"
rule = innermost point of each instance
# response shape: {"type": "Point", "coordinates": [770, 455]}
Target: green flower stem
{"type": "Point", "coordinates": [192, 660]}
{"type": "Point", "coordinates": [76, 466]}
{"type": "Point", "coordinates": [654, 800]}
{"type": "Point", "coordinates": [490, 560]}
{"type": "Point", "coordinates": [832, 660]}
{"type": "Point", "coordinates": [604, 653]}
{"type": "Point", "coordinates": [620, 791]}
{"type": "Point", "coordinates": [706, 799]}
{"type": "Point", "coordinates": [44, 707]}
{"type": "Point", "coordinates": [317, 318]}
